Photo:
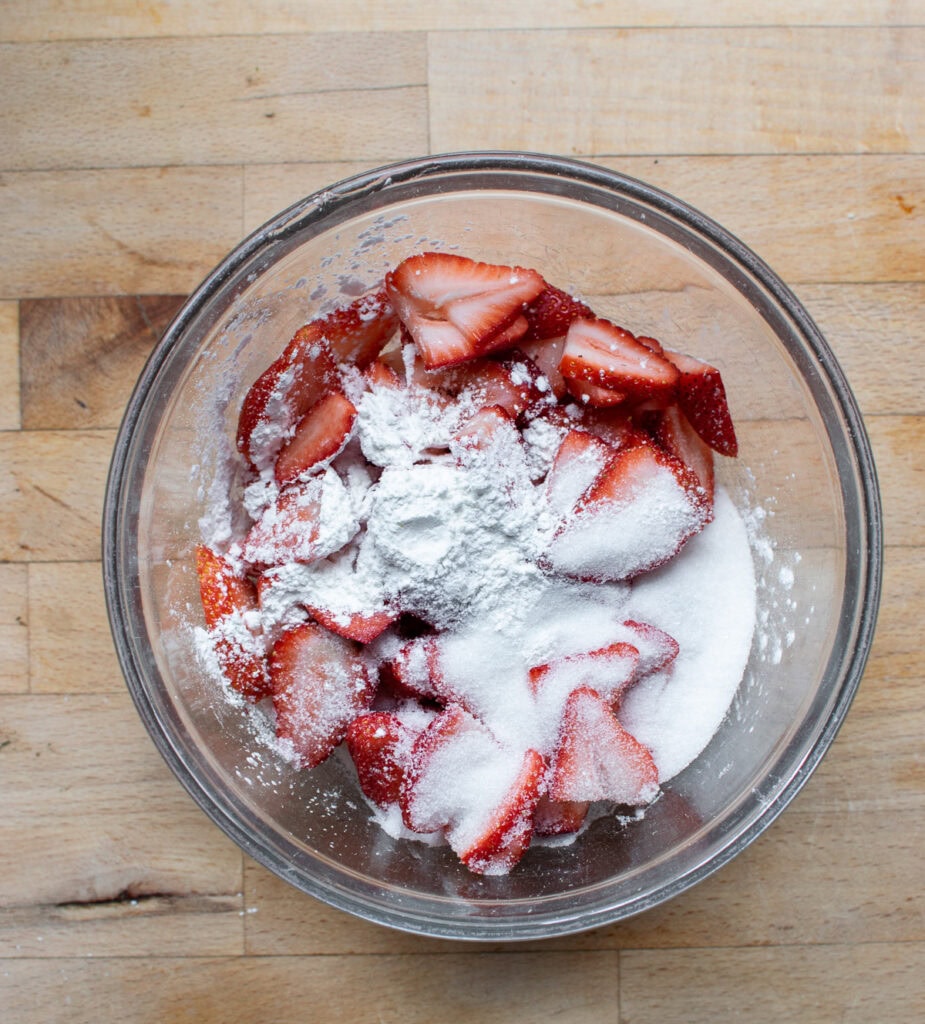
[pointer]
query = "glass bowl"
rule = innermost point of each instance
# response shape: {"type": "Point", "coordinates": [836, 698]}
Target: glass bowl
{"type": "Point", "coordinates": [804, 479]}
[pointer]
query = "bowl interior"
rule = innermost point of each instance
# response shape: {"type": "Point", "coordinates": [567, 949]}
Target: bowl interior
{"type": "Point", "coordinates": [652, 266]}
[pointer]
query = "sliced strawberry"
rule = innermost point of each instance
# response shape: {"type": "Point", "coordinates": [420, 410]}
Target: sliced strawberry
{"type": "Point", "coordinates": [559, 817]}
{"type": "Point", "coordinates": [227, 598]}
{"type": "Point", "coordinates": [578, 462]}
{"type": "Point", "coordinates": [551, 313]}
{"type": "Point", "coordinates": [609, 357]}
{"type": "Point", "coordinates": [642, 508]}
{"type": "Point", "coordinates": [509, 384]}
{"type": "Point", "coordinates": [320, 435]}
{"type": "Point", "coordinates": [503, 840]}
{"type": "Point", "coordinates": [546, 356]}
{"type": "Point", "coordinates": [283, 393]}
{"type": "Point", "coordinates": [320, 684]}
{"type": "Point", "coordinates": [607, 670]}
{"type": "Point", "coordinates": [597, 759]}
{"type": "Point", "coordinates": [380, 745]}
{"type": "Point", "coordinates": [455, 308]}
{"type": "Point", "coordinates": [657, 649]}
{"type": "Point", "coordinates": [651, 343]}
{"type": "Point", "coordinates": [673, 431]}
{"type": "Point", "coordinates": [702, 397]}
{"type": "Point", "coordinates": [222, 588]}
{"type": "Point", "coordinates": [414, 671]}
{"type": "Point", "coordinates": [483, 428]}
{"type": "Point", "coordinates": [288, 529]}
{"type": "Point", "coordinates": [615, 426]}
{"type": "Point", "coordinates": [593, 396]}
{"type": "Point", "coordinates": [357, 333]}
{"type": "Point", "coordinates": [381, 374]}
{"type": "Point", "coordinates": [363, 627]}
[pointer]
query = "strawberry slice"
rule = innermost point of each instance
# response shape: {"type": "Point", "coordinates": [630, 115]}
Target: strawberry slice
{"type": "Point", "coordinates": [485, 427]}
{"type": "Point", "coordinates": [607, 670]}
{"type": "Point", "coordinates": [288, 530]}
{"type": "Point", "coordinates": [380, 374]}
{"type": "Point", "coordinates": [223, 590]}
{"type": "Point", "coordinates": [578, 462]}
{"type": "Point", "coordinates": [597, 759]}
{"type": "Point", "coordinates": [227, 598]}
{"type": "Point", "coordinates": [642, 508]}
{"type": "Point", "coordinates": [702, 397]}
{"type": "Point", "coordinates": [414, 671]}
{"type": "Point", "coordinates": [380, 745]}
{"type": "Point", "coordinates": [510, 384]}
{"type": "Point", "coordinates": [551, 314]}
{"type": "Point", "coordinates": [598, 352]}
{"type": "Point", "coordinates": [455, 308]}
{"type": "Point", "coordinates": [283, 393]}
{"type": "Point", "coordinates": [320, 684]}
{"type": "Point", "coordinates": [363, 627]}
{"type": "Point", "coordinates": [503, 839]}
{"type": "Point", "coordinates": [546, 356]}
{"type": "Point", "coordinates": [559, 817]}
{"type": "Point", "coordinates": [594, 396]}
{"type": "Point", "coordinates": [357, 333]}
{"type": "Point", "coordinates": [320, 435]}
{"type": "Point", "coordinates": [657, 649]}
{"type": "Point", "coordinates": [615, 426]}
{"type": "Point", "coordinates": [672, 430]}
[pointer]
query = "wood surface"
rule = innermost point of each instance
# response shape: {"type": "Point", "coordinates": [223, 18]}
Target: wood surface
{"type": "Point", "coordinates": [138, 143]}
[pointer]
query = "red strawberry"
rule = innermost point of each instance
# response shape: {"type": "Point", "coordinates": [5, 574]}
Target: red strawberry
{"type": "Point", "coordinates": [651, 343]}
{"type": "Point", "coordinates": [288, 529]}
{"type": "Point", "coordinates": [227, 597]}
{"type": "Point", "coordinates": [320, 684]}
{"type": "Point", "coordinates": [357, 333]}
{"type": "Point", "coordinates": [607, 670]}
{"type": "Point", "coordinates": [363, 627]}
{"type": "Point", "coordinates": [320, 435]}
{"type": "Point", "coordinates": [510, 384]}
{"type": "Point", "coordinates": [657, 649]}
{"type": "Point", "coordinates": [504, 839]}
{"type": "Point", "coordinates": [615, 426]}
{"type": "Point", "coordinates": [551, 313]}
{"type": "Point", "coordinates": [415, 671]}
{"type": "Point", "coordinates": [283, 393]}
{"type": "Point", "coordinates": [559, 817]}
{"type": "Point", "coordinates": [674, 433]}
{"type": "Point", "coordinates": [576, 465]}
{"type": "Point", "coordinates": [484, 427]}
{"type": "Point", "coordinates": [600, 353]}
{"type": "Point", "coordinates": [702, 398]}
{"type": "Point", "coordinates": [546, 355]}
{"type": "Point", "coordinates": [455, 308]}
{"type": "Point", "coordinates": [597, 759]}
{"type": "Point", "coordinates": [636, 515]}
{"type": "Point", "coordinates": [593, 396]}
{"type": "Point", "coordinates": [380, 745]}
{"type": "Point", "coordinates": [379, 374]}
{"type": "Point", "coordinates": [222, 588]}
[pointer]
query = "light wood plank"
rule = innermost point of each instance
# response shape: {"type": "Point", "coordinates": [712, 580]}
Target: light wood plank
{"type": "Point", "coordinates": [87, 19]}
{"type": "Point", "coordinates": [82, 356]}
{"type": "Point", "coordinates": [465, 988]}
{"type": "Point", "coordinates": [71, 648]}
{"type": "Point", "coordinates": [867, 228]}
{"type": "Point", "coordinates": [856, 318]}
{"type": "Point", "coordinates": [51, 494]}
{"type": "Point", "coordinates": [104, 853]}
{"type": "Point", "coordinates": [9, 366]}
{"type": "Point", "coordinates": [898, 444]}
{"type": "Point", "coordinates": [128, 232]}
{"type": "Point", "coordinates": [14, 629]}
{"type": "Point", "coordinates": [763, 90]}
{"type": "Point", "coordinates": [894, 675]}
{"type": "Point", "coordinates": [850, 984]}
{"type": "Point", "coordinates": [213, 101]}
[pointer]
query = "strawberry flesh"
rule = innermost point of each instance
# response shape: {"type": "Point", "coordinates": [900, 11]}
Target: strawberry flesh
{"type": "Point", "coordinates": [320, 435]}
{"type": "Point", "coordinates": [380, 745]}
{"type": "Point", "coordinates": [702, 397]}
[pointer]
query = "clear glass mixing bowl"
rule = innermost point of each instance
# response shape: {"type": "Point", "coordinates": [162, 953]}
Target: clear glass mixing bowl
{"type": "Point", "coordinates": [804, 478]}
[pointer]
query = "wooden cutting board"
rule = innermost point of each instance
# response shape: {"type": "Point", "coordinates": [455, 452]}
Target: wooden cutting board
{"type": "Point", "coordinates": [138, 144]}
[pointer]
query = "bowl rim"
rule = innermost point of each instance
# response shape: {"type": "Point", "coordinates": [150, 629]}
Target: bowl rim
{"type": "Point", "coordinates": [341, 196]}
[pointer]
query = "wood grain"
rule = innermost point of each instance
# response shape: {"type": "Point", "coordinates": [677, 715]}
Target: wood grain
{"type": "Point", "coordinates": [82, 356]}
{"type": "Point", "coordinates": [138, 144]}
{"type": "Point", "coordinates": [213, 101]}
{"type": "Point", "coordinates": [768, 90]}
